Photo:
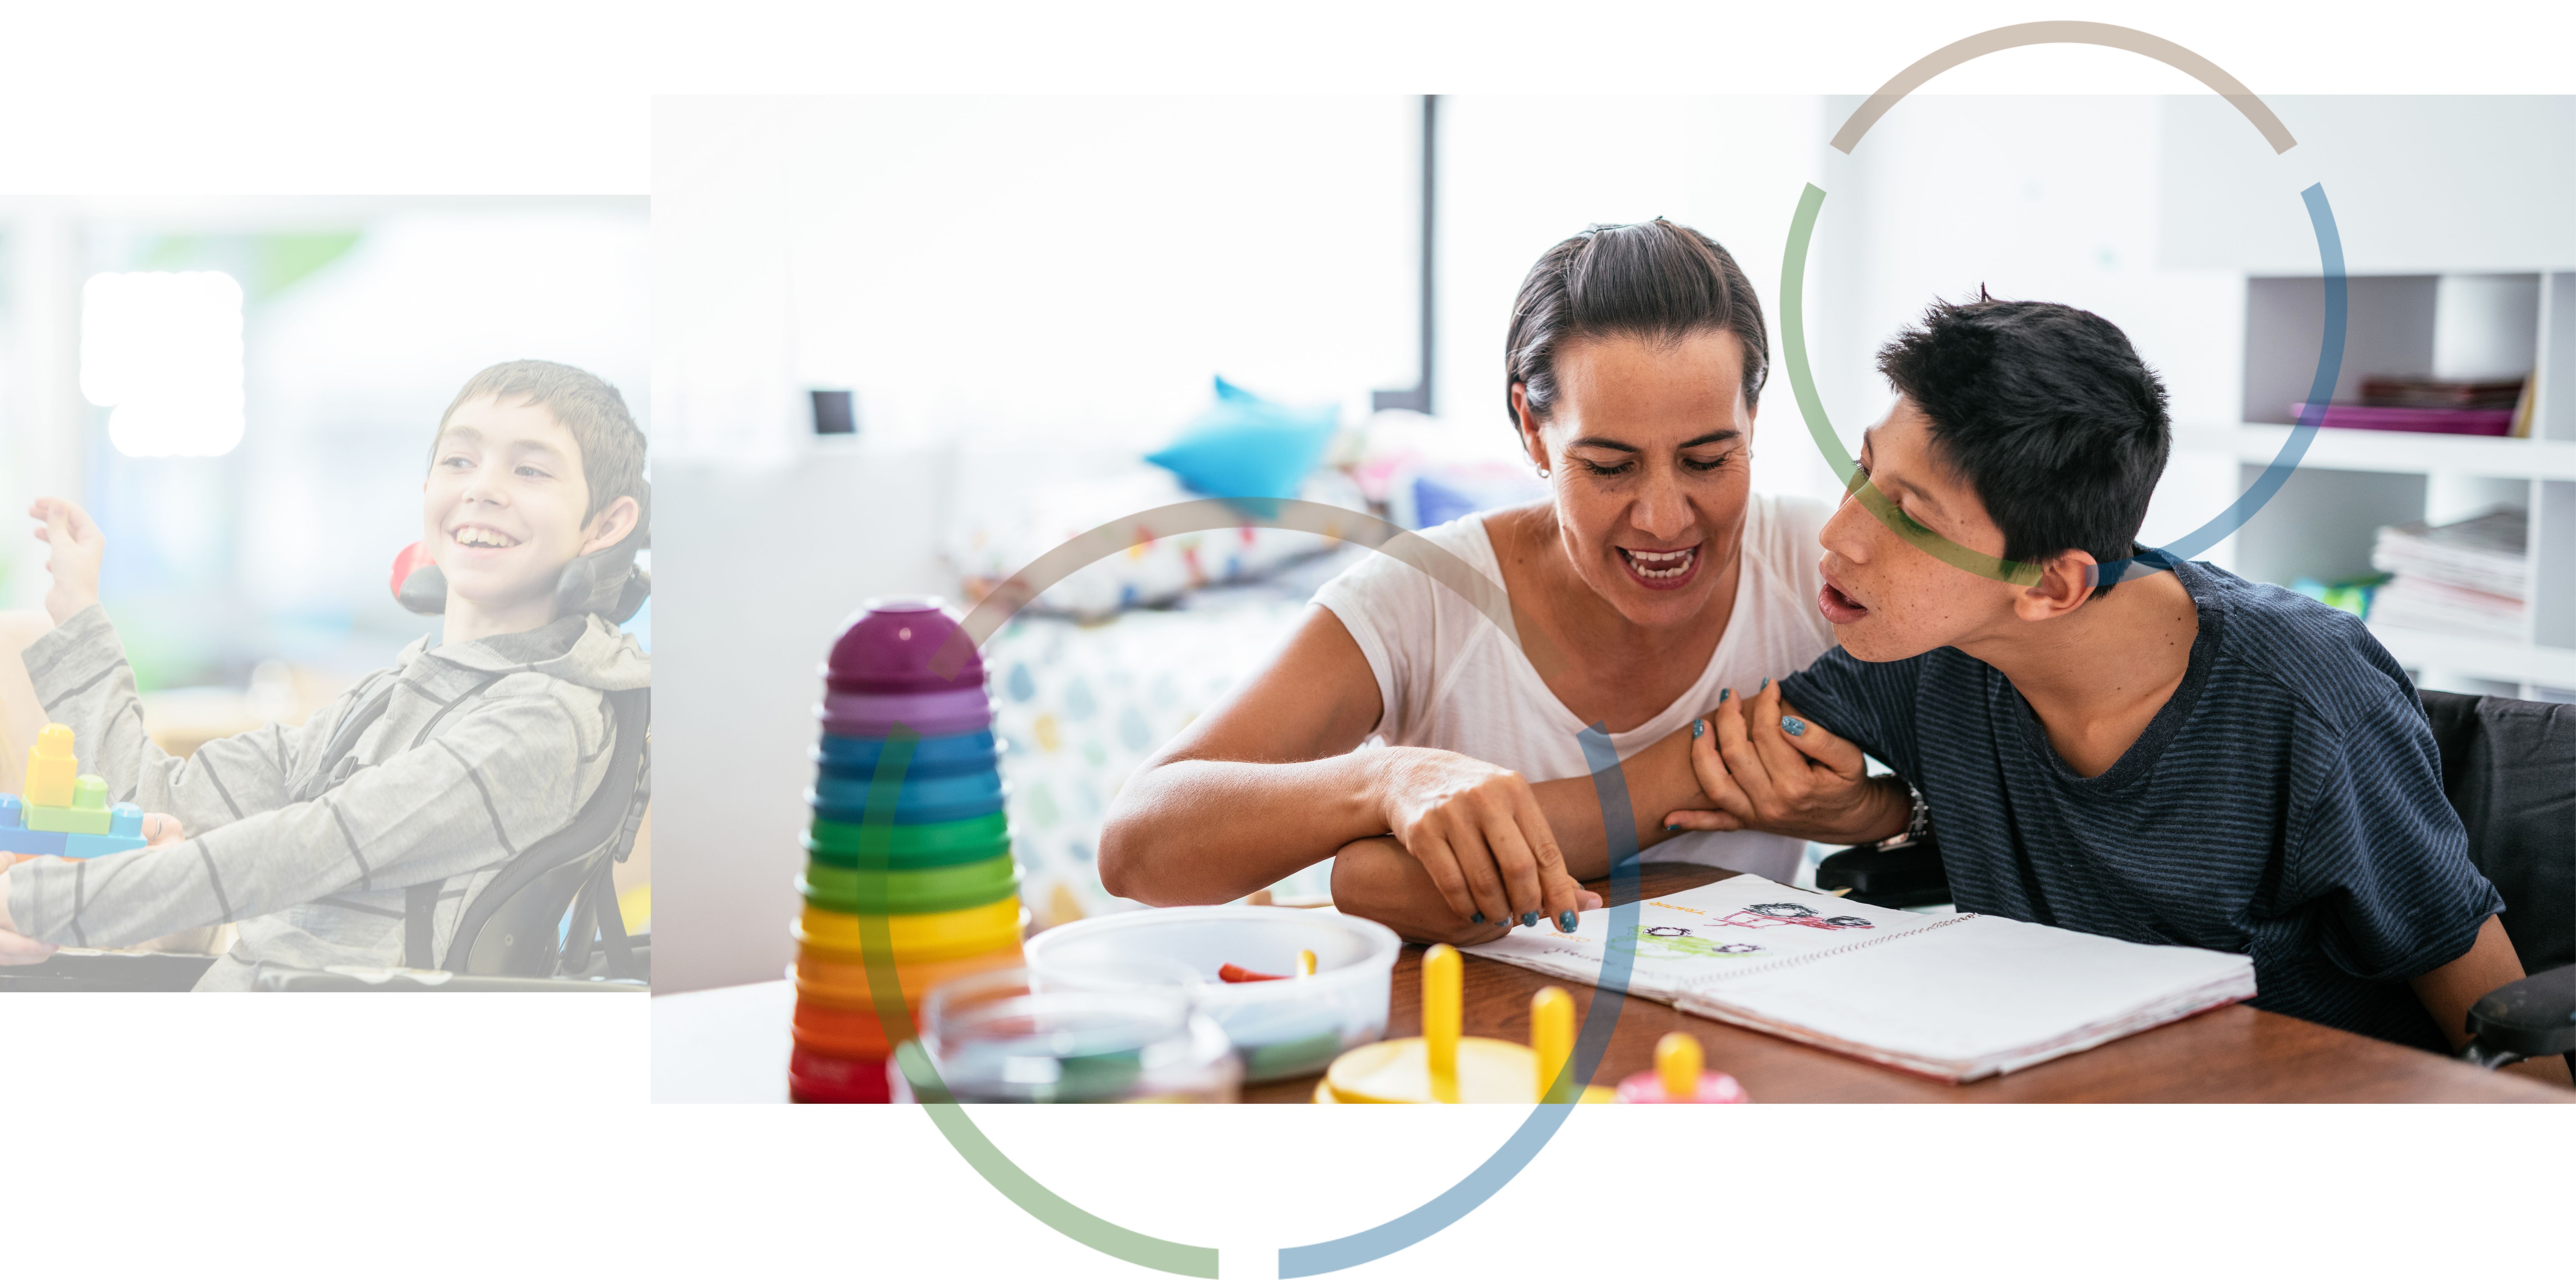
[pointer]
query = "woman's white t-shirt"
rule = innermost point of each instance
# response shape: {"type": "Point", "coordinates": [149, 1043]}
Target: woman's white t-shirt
{"type": "Point", "coordinates": [1447, 677]}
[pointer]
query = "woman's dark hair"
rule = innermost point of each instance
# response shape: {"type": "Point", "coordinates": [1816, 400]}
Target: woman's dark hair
{"type": "Point", "coordinates": [2049, 414]}
{"type": "Point", "coordinates": [1657, 280]}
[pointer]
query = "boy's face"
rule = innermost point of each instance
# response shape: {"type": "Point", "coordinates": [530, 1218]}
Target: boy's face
{"type": "Point", "coordinates": [1888, 598]}
{"type": "Point", "coordinates": [502, 511]}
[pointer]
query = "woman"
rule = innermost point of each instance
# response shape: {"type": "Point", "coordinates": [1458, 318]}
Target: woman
{"type": "Point", "coordinates": [1635, 360]}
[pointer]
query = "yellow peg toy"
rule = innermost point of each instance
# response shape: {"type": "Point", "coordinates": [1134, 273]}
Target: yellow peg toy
{"type": "Point", "coordinates": [1679, 1078]}
{"type": "Point", "coordinates": [1443, 1001]}
{"type": "Point", "coordinates": [1305, 963]}
{"type": "Point", "coordinates": [1445, 1067]}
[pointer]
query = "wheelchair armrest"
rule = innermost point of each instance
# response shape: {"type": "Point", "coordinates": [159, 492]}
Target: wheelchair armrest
{"type": "Point", "coordinates": [2524, 1019]}
{"type": "Point", "coordinates": [396, 979]}
{"type": "Point", "coordinates": [1887, 876]}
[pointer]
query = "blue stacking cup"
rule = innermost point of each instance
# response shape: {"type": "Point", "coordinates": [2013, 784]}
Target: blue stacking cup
{"type": "Point", "coordinates": [940, 798]}
{"type": "Point", "coordinates": [965, 753]}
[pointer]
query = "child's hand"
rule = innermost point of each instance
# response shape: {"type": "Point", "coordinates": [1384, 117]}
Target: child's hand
{"type": "Point", "coordinates": [1771, 770]}
{"type": "Point", "coordinates": [162, 829]}
{"type": "Point", "coordinates": [76, 547]}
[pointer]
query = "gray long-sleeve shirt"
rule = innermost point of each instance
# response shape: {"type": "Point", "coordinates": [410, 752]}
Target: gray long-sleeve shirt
{"type": "Point", "coordinates": [480, 749]}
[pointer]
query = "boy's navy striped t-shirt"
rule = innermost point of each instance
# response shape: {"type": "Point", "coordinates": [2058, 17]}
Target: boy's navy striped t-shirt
{"type": "Point", "coordinates": [2285, 803]}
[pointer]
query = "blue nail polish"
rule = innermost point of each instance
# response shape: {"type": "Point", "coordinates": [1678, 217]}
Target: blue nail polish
{"type": "Point", "coordinates": [1529, 918]}
{"type": "Point", "coordinates": [1724, 694]}
{"type": "Point", "coordinates": [1698, 727]}
{"type": "Point", "coordinates": [1793, 725]}
{"type": "Point", "coordinates": [1565, 922]}
{"type": "Point", "coordinates": [1477, 920]}
{"type": "Point", "coordinates": [1766, 683]}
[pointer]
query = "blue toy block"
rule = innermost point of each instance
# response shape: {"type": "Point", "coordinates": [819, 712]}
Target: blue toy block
{"type": "Point", "coordinates": [124, 832]}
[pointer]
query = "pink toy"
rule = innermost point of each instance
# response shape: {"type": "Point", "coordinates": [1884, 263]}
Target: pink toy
{"type": "Point", "coordinates": [889, 647]}
{"type": "Point", "coordinates": [1678, 1079]}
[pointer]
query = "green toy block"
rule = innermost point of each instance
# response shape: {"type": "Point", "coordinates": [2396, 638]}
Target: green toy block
{"type": "Point", "coordinates": [91, 821]}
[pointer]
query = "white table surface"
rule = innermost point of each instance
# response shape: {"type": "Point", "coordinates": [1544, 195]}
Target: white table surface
{"type": "Point", "coordinates": [724, 1046]}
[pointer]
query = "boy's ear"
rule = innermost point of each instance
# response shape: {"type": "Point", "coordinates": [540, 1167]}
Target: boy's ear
{"type": "Point", "coordinates": [611, 524]}
{"type": "Point", "coordinates": [2065, 583]}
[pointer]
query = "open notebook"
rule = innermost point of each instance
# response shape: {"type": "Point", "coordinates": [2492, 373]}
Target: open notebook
{"type": "Point", "coordinates": [1955, 997]}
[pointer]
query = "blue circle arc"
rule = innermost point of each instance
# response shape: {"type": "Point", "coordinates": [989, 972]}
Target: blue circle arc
{"type": "Point", "coordinates": [2321, 389]}
{"type": "Point", "coordinates": [1610, 992]}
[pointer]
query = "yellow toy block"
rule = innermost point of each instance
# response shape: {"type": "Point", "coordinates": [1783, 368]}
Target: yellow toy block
{"type": "Point", "coordinates": [51, 768]}
{"type": "Point", "coordinates": [85, 815]}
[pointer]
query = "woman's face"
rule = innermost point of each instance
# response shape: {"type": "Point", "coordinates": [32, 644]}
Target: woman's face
{"type": "Point", "coordinates": [1649, 449]}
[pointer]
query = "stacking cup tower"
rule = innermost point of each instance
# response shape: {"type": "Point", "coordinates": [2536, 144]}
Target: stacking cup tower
{"type": "Point", "coordinates": [934, 872]}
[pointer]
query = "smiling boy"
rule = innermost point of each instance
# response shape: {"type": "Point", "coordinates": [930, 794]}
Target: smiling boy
{"type": "Point", "coordinates": [361, 837]}
{"type": "Point", "coordinates": [2175, 757]}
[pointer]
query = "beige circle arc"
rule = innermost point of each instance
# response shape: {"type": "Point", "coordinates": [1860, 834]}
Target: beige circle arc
{"type": "Point", "coordinates": [2063, 33]}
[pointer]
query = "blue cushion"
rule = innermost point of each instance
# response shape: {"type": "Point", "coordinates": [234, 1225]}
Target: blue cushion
{"type": "Point", "coordinates": [1247, 445]}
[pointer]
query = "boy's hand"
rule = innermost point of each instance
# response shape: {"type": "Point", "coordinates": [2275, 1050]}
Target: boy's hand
{"type": "Point", "coordinates": [18, 950]}
{"type": "Point", "coordinates": [1770, 770]}
{"type": "Point", "coordinates": [75, 548]}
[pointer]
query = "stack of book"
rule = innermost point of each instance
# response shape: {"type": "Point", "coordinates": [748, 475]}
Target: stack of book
{"type": "Point", "coordinates": [2465, 578]}
{"type": "Point", "coordinates": [2419, 406]}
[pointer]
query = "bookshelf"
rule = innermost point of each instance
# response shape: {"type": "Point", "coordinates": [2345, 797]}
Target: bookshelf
{"type": "Point", "coordinates": [2352, 482]}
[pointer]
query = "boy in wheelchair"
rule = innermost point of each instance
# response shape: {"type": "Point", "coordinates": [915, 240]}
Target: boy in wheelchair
{"type": "Point", "coordinates": [363, 837]}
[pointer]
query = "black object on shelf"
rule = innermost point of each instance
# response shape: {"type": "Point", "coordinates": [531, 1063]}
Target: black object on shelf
{"type": "Point", "coordinates": [76, 970]}
{"type": "Point", "coordinates": [832, 412]}
{"type": "Point", "coordinates": [1889, 874]}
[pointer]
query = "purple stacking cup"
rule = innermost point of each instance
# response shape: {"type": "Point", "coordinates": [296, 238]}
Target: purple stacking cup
{"type": "Point", "coordinates": [927, 715]}
{"type": "Point", "coordinates": [888, 649]}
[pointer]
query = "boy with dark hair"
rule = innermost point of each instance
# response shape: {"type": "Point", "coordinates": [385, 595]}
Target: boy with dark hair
{"type": "Point", "coordinates": [362, 837]}
{"type": "Point", "coordinates": [2181, 758]}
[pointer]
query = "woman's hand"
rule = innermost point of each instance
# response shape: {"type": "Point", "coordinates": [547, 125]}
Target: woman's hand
{"type": "Point", "coordinates": [1769, 769]}
{"type": "Point", "coordinates": [1376, 879]}
{"type": "Point", "coordinates": [1478, 833]}
{"type": "Point", "coordinates": [75, 548]}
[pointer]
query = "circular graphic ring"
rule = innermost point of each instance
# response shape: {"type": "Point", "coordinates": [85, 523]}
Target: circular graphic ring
{"type": "Point", "coordinates": [1793, 329]}
{"type": "Point", "coordinates": [1448, 572]}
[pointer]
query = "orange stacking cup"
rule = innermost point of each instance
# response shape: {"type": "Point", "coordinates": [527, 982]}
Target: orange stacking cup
{"type": "Point", "coordinates": [834, 981]}
{"type": "Point", "coordinates": [852, 1034]}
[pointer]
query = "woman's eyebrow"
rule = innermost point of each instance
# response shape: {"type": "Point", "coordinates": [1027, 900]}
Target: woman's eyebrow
{"type": "Point", "coordinates": [1714, 436]}
{"type": "Point", "coordinates": [1606, 444]}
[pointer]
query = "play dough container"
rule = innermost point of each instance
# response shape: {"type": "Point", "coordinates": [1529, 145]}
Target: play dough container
{"type": "Point", "coordinates": [1281, 1028]}
{"type": "Point", "coordinates": [1009, 1038]}
{"type": "Point", "coordinates": [919, 873]}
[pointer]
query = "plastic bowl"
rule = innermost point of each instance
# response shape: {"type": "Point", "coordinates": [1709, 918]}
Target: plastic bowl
{"type": "Point", "coordinates": [935, 936]}
{"type": "Point", "coordinates": [953, 713]}
{"type": "Point", "coordinates": [1282, 1028]}
{"type": "Point", "coordinates": [817, 1078]}
{"type": "Point", "coordinates": [910, 845]}
{"type": "Point", "coordinates": [836, 981]}
{"type": "Point", "coordinates": [964, 753]}
{"type": "Point", "coordinates": [916, 800]}
{"type": "Point", "coordinates": [889, 645]}
{"type": "Point", "coordinates": [1010, 1038]}
{"type": "Point", "coordinates": [910, 891]}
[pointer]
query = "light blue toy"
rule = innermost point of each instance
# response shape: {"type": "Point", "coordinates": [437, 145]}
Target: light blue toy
{"type": "Point", "coordinates": [124, 832]}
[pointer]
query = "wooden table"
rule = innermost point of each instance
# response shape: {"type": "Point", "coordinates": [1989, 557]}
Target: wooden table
{"type": "Point", "coordinates": [2232, 1053]}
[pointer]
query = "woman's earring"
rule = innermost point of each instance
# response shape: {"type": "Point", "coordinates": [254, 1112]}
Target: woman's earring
{"type": "Point", "coordinates": [1542, 472]}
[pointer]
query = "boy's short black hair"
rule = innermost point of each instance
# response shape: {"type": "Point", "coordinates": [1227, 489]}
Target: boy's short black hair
{"type": "Point", "coordinates": [2049, 414]}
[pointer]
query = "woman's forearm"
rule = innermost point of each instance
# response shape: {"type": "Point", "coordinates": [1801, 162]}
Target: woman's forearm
{"type": "Point", "coordinates": [1657, 781]}
{"type": "Point", "coordinates": [1208, 831]}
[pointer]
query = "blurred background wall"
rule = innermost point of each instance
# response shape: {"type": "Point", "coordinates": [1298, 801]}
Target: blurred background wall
{"type": "Point", "coordinates": [258, 547]}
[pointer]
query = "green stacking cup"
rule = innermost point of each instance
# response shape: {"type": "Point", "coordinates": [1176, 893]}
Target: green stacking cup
{"type": "Point", "coordinates": [911, 891]}
{"type": "Point", "coordinates": [913, 845]}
